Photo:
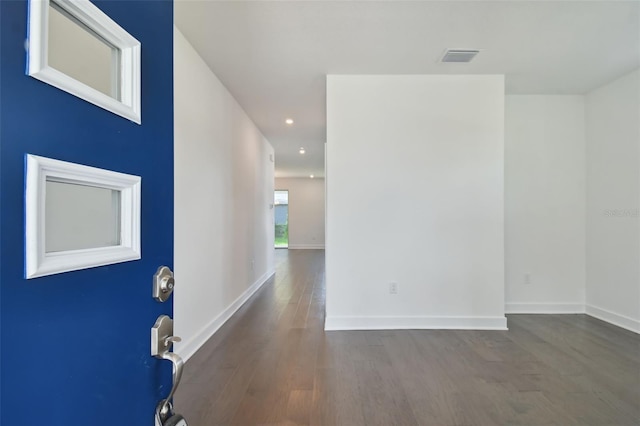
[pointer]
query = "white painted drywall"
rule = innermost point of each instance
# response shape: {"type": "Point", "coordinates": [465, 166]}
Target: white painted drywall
{"type": "Point", "coordinates": [306, 211]}
{"type": "Point", "coordinates": [613, 200]}
{"type": "Point", "coordinates": [545, 204]}
{"type": "Point", "coordinates": [415, 195]}
{"type": "Point", "coordinates": [223, 196]}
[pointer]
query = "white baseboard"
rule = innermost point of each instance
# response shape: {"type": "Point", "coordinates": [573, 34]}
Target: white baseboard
{"type": "Point", "coordinates": [613, 318]}
{"type": "Point", "coordinates": [188, 348]}
{"type": "Point", "coordinates": [415, 323]}
{"type": "Point", "coordinates": [575, 308]}
{"type": "Point", "coordinates": [544, 308]}
{"type": "Point", "coordinates": [306, 246]}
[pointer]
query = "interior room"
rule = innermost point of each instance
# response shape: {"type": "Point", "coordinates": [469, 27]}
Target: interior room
{"type": "Point", "coordinates": [457, 196]}
{"type": "Point", "coordinates": [460, 243]}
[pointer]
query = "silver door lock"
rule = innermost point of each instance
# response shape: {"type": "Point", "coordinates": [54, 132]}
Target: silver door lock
{"type": "Point", "coordinates": [162, 339]}
{"type": "Point", "coordinates": [163, 284]}
{"type": "Point", "coordinates": [162, 336]}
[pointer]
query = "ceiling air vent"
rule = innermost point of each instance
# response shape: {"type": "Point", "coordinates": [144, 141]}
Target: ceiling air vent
{"type": "Point", "coordinates": [459, 55]}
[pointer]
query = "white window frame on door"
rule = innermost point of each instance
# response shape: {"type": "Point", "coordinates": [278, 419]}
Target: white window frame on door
{"type": "Point", "coordinates": [38, 262]}
{"type": "Point", "coordinates": [94, 19]}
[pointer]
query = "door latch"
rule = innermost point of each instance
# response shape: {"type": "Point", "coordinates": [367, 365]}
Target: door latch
{"type": "Point", "coordinates": [162, 336]}
{"type": "Point", "coordinates": [162, 339]}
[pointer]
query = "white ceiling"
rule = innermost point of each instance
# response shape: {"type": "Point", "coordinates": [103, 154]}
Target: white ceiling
{"type": "Point", "coordinates": [273, 55]}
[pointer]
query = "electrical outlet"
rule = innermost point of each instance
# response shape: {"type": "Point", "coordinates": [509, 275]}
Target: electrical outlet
{"type": "Point", "coordinates": [253, 264]}
{"type": "Point", "coordinates": [527, 278]}
{"type": "Point", "coordinates": [393, 288]}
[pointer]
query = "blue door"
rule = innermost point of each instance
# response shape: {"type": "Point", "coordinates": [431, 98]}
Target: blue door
{"type": "Point", "coordinates": [75, 347]}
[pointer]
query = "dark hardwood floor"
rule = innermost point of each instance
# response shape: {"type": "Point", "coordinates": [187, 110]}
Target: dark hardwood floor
{"type": "Point", "coordinates": [272, 364]}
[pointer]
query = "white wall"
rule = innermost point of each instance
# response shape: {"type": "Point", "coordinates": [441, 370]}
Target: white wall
{"type": "Point", "coordinates": [223, 191]}
{"type": "Point", "coordinates": [545, 204]}
{"type": "Point", "coordinates": [415, 195]}
{"type": "Point", "coordinates": [613, 200]}
{"type": "Point", "coordinates": [306, 211]}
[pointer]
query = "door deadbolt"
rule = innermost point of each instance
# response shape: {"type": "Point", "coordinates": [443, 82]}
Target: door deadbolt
{"type": "Point", "coordinates": [166, 284]}
{"type": "Point", "coordinates": [163, 284]}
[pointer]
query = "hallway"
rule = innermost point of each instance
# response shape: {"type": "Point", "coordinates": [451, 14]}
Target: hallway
{"type": "Point", "coordinates": [273, 364]}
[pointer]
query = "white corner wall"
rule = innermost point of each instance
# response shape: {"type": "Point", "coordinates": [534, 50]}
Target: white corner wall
{"type": "Point", "coordinates": [415, 196]}
{"type": "Point", "coordinates": [306, 211]}
{"type": "Point", "coordinates": [223, 191]}
{"type": "Point", "coordinates": [613, 202]}
{"type": "Point", "coordinates": [545, 196]}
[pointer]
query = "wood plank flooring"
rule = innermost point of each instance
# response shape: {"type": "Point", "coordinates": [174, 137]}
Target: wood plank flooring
{"type": "Point", "coordinates": [272, 364]}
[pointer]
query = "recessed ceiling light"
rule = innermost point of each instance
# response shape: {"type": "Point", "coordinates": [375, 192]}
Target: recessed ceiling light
{"type": "Point", "coordinates": [311, 176]}
{"type": "Point", "coordinates": [459, 55]}
{"type": "Point", "coordinates": [289, 121]}
{"type": "Point", "coordinates": [302, 150]}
